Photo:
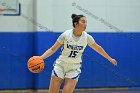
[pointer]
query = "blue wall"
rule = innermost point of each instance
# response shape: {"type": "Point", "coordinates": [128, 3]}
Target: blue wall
{"type": "Point", "coordinates": [17, 48]}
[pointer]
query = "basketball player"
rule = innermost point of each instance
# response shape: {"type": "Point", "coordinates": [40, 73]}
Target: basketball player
{"type": "Point", "coordinates": [67, 66]}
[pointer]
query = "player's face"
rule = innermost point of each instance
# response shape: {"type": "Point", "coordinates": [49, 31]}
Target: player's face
{"type": "Point", "coordinates": [82, 23]}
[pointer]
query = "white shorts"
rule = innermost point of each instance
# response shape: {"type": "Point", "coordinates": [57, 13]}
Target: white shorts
{"type": "Point", "coordinates": [66, 70]}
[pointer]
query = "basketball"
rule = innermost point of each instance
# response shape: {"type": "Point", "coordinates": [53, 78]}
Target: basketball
{"type": "Point", "coordinates": [35, 64]}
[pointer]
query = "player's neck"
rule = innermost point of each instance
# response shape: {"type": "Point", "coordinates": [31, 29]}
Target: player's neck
{"type": "Point", "coordinates": [77, 32]}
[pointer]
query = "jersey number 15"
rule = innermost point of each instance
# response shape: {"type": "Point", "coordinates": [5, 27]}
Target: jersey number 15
{"type": "Point", "coordinates": [73, 54]}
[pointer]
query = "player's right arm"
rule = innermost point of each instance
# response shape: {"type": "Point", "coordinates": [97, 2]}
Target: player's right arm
{"type": "Point", "coordinates": [52, 50]}
{"type": "Point", "coordinates": [55, 47]}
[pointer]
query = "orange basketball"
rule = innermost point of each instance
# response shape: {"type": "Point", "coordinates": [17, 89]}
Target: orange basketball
{"type": "Point", "coordinates": [35, 64]}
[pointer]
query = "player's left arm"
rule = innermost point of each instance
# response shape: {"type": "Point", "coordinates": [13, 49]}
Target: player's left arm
{"type": "Point", "coordinates": [102, 52]}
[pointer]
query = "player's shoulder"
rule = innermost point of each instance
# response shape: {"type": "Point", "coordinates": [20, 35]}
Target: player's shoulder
{"type": "Point", "coordinates": [67, 32]}
{"type": "Point", "coordinates": [87, 34]}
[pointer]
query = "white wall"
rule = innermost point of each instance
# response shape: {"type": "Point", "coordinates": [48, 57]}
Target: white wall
{"type": "Point", "coordinates": [102, 15]}
{"type": "Point", "coordinates": [19, 23]}
{"type": "Point", "coordinates": [45, 15]}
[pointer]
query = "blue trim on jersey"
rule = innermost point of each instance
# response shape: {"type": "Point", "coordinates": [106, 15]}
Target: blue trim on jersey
{"type": "Point", "coordinates": [62, 48]}
{"type": "Point", "coordinates": [55, 73]}
{"type": "Point", "coordinates": [76, 76]}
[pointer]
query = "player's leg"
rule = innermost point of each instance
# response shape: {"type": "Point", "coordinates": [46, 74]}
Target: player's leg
{"type": "Point", "coordinates": [69, 85]}
{"type": "Point", "coordinates": [71, 79]}
{"type": "Point", "coordinates": [55, 84]}
{"type": "Point", "coordinates": [56, 79]}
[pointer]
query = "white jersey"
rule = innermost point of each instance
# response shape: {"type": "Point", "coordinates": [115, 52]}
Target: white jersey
{"type": "Point", "coordinates": [73, 47]}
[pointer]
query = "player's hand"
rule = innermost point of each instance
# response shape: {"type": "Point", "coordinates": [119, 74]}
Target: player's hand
{"type": "Point", "coordinates": [113, 61]}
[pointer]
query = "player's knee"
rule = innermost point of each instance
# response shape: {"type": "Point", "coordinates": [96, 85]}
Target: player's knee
{"type": "Point", "coordinates": [56, 80]}
{"type": "Point", "coordinates": [67, 90]}
{"type": "Point", "coordinates": [69, 87]}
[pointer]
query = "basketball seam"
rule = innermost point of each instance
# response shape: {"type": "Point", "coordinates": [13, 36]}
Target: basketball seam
{"type": "Point", "coordinates": [36, 65]}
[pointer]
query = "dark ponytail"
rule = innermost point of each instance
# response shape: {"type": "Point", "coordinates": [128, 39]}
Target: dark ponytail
{"type": "Point", "coordinates": [76, 18]}
{"type": "Point", "coordinates": [73, 16]}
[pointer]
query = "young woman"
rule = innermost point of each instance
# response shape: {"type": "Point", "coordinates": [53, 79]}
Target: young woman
{"type": "Point", "coordinates": [67, 66]}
